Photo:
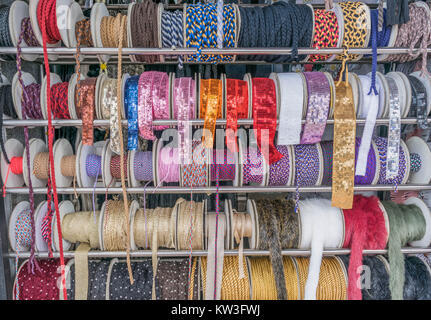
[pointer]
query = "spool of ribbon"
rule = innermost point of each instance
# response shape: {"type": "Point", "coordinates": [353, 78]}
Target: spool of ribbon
{"type": "Point", "coordinates": [236, 108]}
{"type": "Point", "coordinates": [153, 102]}
{"type": "Point", "coordinates": [195, 174]}
{"type": "Point", "coordinates": [131, 105]}
{"type": "Point", "coordinates": [253, 167]}
{"type": "Point", "coordinates": [265, 117]}
{"type": "Point", "coordinates": [210, 106]}
{"type": "Point", "coordinates": [85, 107]}
{"type": "Point", "coordinates": [224, 162]}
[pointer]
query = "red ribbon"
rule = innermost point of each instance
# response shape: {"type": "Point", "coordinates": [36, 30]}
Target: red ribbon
{"type": "Point", "coordinates": [236, 107]}
{"type": "Point", "coordinates": [265, 117]}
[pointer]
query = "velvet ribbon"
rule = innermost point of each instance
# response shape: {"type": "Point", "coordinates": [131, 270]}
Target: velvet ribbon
{"type": "Point", "coordinates": [265, 117]}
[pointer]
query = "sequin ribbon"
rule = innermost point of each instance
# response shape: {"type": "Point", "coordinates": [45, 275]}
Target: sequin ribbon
{"type": "Point", "coordinates": [236, 107]}
{"type": "Point", "coordinates": [131, 104]}
{"type": "Point", "coordinates": [265, 118]}
{"type": "Point", "coordinates": [85, 109]}
{"type": "Point", "coordinates": [344, 146]}
{"type": "Point", "coordinates": [394, 130]}
{"type": "Point", "coordinates": [210, 108]}
{"type": "Point", "coordinates": [184, 110]}
{"type": "Point", "coordinates": [153, 102]}
{"type": "Point", "coordinates": [319, 99]}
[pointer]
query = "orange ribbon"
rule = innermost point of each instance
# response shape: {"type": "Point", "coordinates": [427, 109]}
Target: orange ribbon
{"type": "Point", "coordinates": [210, 108]}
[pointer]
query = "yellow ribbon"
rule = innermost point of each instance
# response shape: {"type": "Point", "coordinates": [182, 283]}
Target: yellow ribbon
{"type": "Point", "coordinates": [343, 176]}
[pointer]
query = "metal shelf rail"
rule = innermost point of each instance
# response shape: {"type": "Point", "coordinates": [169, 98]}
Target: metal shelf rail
{"type": "Point", "coordinates": [198, 122]}
{"type": "Point", "coordinates": [209, 190]}
{"type": "Point", "coordinates": [200, 253]}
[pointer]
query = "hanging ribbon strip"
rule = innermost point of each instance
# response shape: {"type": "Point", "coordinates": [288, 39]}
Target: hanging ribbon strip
{"type": "Point", "coordinates": [265, 118]}
{"type": "Point", "coordinates": [371, 105]}
{"type": "Point", "coordinates": [184, 110]}
{"type": "Point", "coordinates": [210, 108]}
{"type": "Point", "coordinates": [344, 147]}
{"type": "Point", "coordinates": [112, 103]}
{"type": "Point", "coordinates": [319, 100]}
{"type": "Point", "coordinates": [236, 107]}
{"type": "Point", "coordinates": [394, 130]}
{"type": "Point", "coordinates": [86, 102]}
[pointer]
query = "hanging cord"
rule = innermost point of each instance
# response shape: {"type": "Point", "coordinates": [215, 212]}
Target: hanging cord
{"type": "Point", "coordinates": [122, 26]}
{"type": "Point", "coordinates": [48, 21]}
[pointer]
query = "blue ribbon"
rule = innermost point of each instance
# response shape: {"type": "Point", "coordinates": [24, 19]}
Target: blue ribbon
{"type": "Point", "coordinates": [131, 107]}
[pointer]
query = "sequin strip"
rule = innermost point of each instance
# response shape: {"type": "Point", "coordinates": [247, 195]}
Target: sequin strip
{"type": "Point", "coordinates": [319, 98]}
{"type": "Point", "coordinates": [394, 131]}
{"type": "Point", "coordinates": [131, 104]}
{"type": "Point", "coordinates": [86, 108]}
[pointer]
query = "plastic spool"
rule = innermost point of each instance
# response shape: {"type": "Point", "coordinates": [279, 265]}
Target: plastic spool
{"type": "Point", "coordinates": [98, 94]}
{"type": "Point", "coordinates": [19, 11]}
{"type": "Point", "coordinates": [304, 95]}
{"type": "Point", "coordinates": [407, 155]}
{"type": "Point", "coordinates": [223, 94]}
{"type": "Point", "coordinates": [98, 11]}
{"type": "Point", "coordinates": [83, 151]}
{"type": "Point", "coordinates": [132, 181]}
{"type": "Point", "coordinates": [134, 206]}
{"type": "Point", "coordinates": [340, 20]}
{"type": "Point", "coordinates": [129, 30]}
{"type": "Point", "coordinates": [71, 95]}
{"type": "Point", "coordinates": [62, 11]}
{"type": "Point", "coordinates": [36, 146]}
{"type": "Point", "coordinates": [13, 148]}
{"type": "Point", "coordinates": [36, 30]}
{"type": "Point", "coordinates": [252, 211]}
{"type": "Point", "coordinates": [160, 9]}
{"type": "Point", "coordinates": [376, 153]}
{"type": "Point", "coordinates": [227, 231]}
{"type": "Point", "coordinates": [408, 93]}
{"type": "Point", "coordinates": [74, 15]}
{"type": "Point", "coordinates": [108, 179]}
{"type": "Point", "coordinates": [426, 81]}
{"type": "Point", "coordinates": [123, 90]}
{"type": "Point", "coordinates": [247, 77]}
{"type": "Point", "coordinates": [251, 241]}
{"type": "Point", "coordinates": [419, 147]}
{"type": "Point", "coordinates": [20, 207]}
{"type": "Point", "coordinates": [65, 207]}
{"type": "Point", "coordinates": [385, 90]}
{"type": "Point", "coordinates": [55, 78]}
{"type": "Point", "coordinates": [62, 148]}
{"type": "Point", "coordinates": [274, 77]}
{"type": "Point", "coordinates": [368, 36]}
{"type": "Point", "coordinates": [17, 92]}
{"type": "Point", "coordinates": [426, 239]}
{"type": "Point", "coordinates": [171, 95]}
{"type": "Point", "coordinates": [40, 213]}
{"type": "Point", "coordinates": [332, 87]}
{"type": "Point", "coordinates": [402, 94]}
{"type": "Point", "coordinates": [320, 177]}
{"type": "Point", "coordinates": [355, 84]}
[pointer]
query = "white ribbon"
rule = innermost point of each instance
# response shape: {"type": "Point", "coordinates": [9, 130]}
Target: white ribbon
{"type": "Point", "coordinates": [291, 107]}
{"type": "Point", "coordinates": [370, 108]}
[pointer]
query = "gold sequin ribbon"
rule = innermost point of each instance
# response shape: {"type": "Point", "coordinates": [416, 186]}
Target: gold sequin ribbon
{"type": "Point", "coordinates": [356, 26]}
{"type": "Point", "coordinates": [343, 176]}
{"type": "Point", "coordinates": [210, 108]}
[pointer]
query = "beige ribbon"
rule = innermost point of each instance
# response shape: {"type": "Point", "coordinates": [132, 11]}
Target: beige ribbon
{"type": "Point", "coordinates": [81, 271]}
{"type": "Point", "coordinates": [214, 276]}
{"type": "Point", "coordinates": [242, 227]}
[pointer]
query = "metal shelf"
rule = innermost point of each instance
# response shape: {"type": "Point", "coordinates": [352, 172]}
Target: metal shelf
{"type": "Point", "coordinates": [190, 51]}
{"type": "Point", "coordinates": [210, 190]}
{"type": "Point", "coordinates": [198, 122]}
{"type": "Point", "coordinates": [199, 253]}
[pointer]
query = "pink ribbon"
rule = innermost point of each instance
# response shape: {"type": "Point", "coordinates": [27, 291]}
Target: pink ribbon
{"type": "Point", "coordinates": [184, 110]}
{"type": "Point", "coordinates": [153, 102]}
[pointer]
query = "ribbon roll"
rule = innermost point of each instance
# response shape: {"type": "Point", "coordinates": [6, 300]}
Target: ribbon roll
{"type": "Point", "coordinates": [236, 108]}
{"type": "Point", "coordinates": [210, 108]}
